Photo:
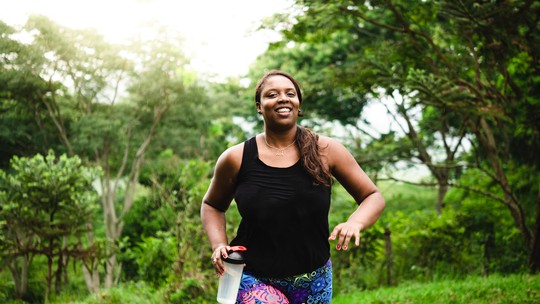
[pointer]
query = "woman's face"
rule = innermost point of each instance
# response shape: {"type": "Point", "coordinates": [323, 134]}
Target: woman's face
{"type": "Point", "coordinates": [279, 101]}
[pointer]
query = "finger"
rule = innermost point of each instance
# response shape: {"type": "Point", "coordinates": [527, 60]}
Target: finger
{"type": "Point", "coordinates": [346, 238]}
{"type": "Point", "coordinates": [334, 233]}
{"type": "Point", "coordinates": [219, 267]}
{"type": "Point", "coordinates": [341, 238]}
{"type": "Point", "coordinates": [357, 238]}
{"type": "Point", "coordinates": [217, 259]}
{"type": "Point", "coordinates": [224, 251]}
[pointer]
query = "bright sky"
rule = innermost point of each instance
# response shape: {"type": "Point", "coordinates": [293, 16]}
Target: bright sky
{"type": "Point", "coordinates": [220, 35]}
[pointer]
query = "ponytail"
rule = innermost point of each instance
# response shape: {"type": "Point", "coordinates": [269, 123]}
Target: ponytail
{"type": "Point", "coordinates": [308, 144]}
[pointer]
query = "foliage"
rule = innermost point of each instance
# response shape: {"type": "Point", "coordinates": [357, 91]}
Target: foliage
{"type": "Point", "coordinates": [357, 267]}
{"type": "Point", "coordinates": [154, 257]}
{"type": "Point", "coordinates": [192, 291]}
{"type": "Point", "coordinates": [405, 198]}
{"type": "Point", "coordinates": [438, 241]}
{"type": "Point", "coordinates": [106, 103]}
{"type": "Point", "coordinates": [459, 80]}
{"type": "Point", "coordinates": [489, 226]}
{"type": "Point", "coordinates": [19, 89]}
{"type": "Point", "coordinates": [46, 204]}
{"type": "Point", "coordinates": [125, 293]}
{"type": "Point", "coordinates": [166, 231]}
{"type": "Point", "coordinates": [457, 71]}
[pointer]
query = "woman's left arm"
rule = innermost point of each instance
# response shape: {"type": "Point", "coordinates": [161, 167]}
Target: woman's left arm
{"type": "Point", "coordinates": [368, 197]}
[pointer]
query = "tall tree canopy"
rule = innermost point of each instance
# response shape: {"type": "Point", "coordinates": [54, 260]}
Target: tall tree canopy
{"type": "Point", "coordinates": [460, 70]}
{"type": "Point", "coordinates": [73, 91]}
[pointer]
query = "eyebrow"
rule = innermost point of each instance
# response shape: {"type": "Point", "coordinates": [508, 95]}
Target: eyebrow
{"type": "Point", "coordinates": [273, 89]}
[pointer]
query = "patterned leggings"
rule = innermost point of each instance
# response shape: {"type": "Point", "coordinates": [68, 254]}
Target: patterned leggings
{"type": "Point", "coordinates": [313, 287]}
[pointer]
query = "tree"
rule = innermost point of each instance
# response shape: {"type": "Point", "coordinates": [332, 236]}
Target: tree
{"type": "Point", "coordinates": [112, 105]}
{"type": "Point", "coordinates": [46, 203]}
{"type": "Point", "coordinates": [106, 103]}
{"type": "Point", "coordinates": [19, 89]}
{"type": "Point", "coordinates": [475, 60]}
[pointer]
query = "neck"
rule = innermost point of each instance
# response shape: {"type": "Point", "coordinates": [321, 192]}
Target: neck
{"type": "Point", "coordinates": [280, 138]}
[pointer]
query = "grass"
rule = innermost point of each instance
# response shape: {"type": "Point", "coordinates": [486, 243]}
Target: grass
{"type": "Point", "coordinates": [495, 289]}
{"type": "Point", "coordinates": [518, 288]}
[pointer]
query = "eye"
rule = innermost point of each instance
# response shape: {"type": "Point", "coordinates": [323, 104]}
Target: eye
{"type": "Point", "coordinates": [291, 94]}
{"type": "Point", "coordinates": [271, 95]}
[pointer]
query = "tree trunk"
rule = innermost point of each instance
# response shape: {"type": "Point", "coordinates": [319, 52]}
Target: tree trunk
{"type": "Point", "coordinates": [442, 184]}
{"type": "Point", "coordinates": [54, 113]}
{"type": "Point", "coordinates": [59, 271]}
{"type": "Point", "coordinates": [440, 173]}
{"type": "Point", "coordinates": [12, 265]}
{"type": "Point", "coordinates": [487, 140]}
{"type": "Point", "coordinates": [114, 224]}
{"type": "Point", "coordinates": [489, 246]}
{"type": "Point", "coordinates": [20, 277]}
{"type": "Point", "coordinates": [389, 257]}
{"type": "Point", "coordinates": [49, 277]}
{"type": "Point", "coordinates": [112, 271]}
{"type": "Point", "coordinates": [534, 258]}
{"type": "Point", "coordinates": [91, 277]}
{"type": "Point", "coordinates": [90, 266]}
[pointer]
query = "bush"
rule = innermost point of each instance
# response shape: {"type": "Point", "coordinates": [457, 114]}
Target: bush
{"type": "Point", "coordinates": [138, 292]}
{"type": "Point", "coordinates": [191, 291]}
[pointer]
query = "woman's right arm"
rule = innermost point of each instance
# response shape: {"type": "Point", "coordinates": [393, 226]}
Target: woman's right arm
{"type": "Point", "coordinates": [216, 201]}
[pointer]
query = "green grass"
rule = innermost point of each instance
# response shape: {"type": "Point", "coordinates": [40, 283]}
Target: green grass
{"type": "Point", "coordinates": [518, 288]}
{"type": "Point", "coordinates": [495, 289]}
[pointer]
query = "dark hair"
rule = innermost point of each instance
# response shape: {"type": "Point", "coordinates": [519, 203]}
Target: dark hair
{"type": "Point", "coordinates": [307, 141]}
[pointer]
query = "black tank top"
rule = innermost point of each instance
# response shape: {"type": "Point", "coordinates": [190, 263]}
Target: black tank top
{"type": "Point", "coordinates": [284, 217]}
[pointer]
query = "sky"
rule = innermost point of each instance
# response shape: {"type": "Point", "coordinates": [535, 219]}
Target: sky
{"type": "Point", "coordinates": [220, 35]}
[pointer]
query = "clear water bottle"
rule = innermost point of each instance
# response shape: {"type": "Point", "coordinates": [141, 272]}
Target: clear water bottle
{"type": "Point", "coordinates": [229, 282]}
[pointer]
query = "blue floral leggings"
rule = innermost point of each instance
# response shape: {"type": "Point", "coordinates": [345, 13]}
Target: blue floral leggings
{"type": "Point", "coordinates": [313, 287]}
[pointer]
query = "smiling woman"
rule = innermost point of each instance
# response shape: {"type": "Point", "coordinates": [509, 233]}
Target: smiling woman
{"type": "Point", "coordinates": [284, 200]}
{"type": "Point", "coordinates": [213, 30]}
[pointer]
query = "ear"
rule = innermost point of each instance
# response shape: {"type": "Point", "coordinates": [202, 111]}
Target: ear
{"type": "Point", "coordinates": [258, 104]}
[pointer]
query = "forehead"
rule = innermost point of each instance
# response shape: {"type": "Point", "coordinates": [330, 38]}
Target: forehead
{"type": "Point", "coordinates": [277, 82]}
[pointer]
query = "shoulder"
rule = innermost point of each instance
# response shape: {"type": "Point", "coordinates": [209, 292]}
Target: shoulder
{"type": "Point", "coordinates": [333, 151]}
{"type": "Point", "coordinates": [231, 159]}
{"type": "Point", "coordinates": [330, 145]}
{"type": "Point", "coordinates": [221, 189]}
{"type": "Point", "coordinates": [326, 140]}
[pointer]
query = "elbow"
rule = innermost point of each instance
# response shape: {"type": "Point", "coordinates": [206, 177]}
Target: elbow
{"type": "Point", "coordinates": [375, 199]}
{"type": "Point", "coordinates": [380, 200]}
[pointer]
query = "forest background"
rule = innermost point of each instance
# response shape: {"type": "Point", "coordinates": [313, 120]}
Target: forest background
{"type": "Point", "coordinates": [107, 149]}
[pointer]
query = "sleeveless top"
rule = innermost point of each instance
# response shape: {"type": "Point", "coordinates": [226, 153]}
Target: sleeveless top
{"type": "Point", "coordinates": [284, 222]}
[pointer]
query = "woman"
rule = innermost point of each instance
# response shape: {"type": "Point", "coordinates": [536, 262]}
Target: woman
{"type": "Point", "coordinates": [281, 180]}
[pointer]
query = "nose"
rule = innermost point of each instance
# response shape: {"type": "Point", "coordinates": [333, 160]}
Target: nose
{"type": "Point", "coordinates": [283, 97]}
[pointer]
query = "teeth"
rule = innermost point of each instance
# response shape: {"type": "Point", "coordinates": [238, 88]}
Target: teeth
{"type": "Point", "coordinates": [283, 110]}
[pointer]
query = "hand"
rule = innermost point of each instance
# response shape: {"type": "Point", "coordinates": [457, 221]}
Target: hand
{"type": "Point", "coordinates": [219, 254]}
{"type": "Point", "coordinates": [345, 231]}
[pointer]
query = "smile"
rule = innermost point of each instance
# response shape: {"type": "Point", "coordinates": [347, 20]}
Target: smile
{"type": "Point", "coordinates": [284, 110]}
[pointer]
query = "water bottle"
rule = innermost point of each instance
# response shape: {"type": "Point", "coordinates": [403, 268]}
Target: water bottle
{"type": "Point", "coordinates": [229, 282]}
